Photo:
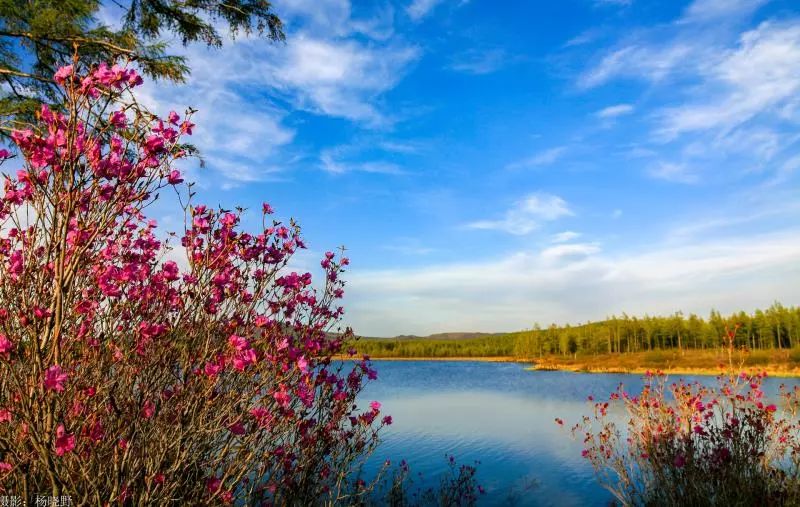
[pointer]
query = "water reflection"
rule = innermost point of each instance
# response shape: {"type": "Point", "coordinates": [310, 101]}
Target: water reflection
{"type": "Point", "coordinates": [501, 415]}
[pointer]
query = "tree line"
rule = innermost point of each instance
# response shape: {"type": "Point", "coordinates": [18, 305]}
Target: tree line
{"type": "Point", "coordinates": [777, 327]}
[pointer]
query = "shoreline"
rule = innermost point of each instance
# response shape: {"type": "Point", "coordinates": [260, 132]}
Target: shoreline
{"type": "Point", "coordinates": [482, 359]}
{"type": "Point", "coordinates": [773, 370]}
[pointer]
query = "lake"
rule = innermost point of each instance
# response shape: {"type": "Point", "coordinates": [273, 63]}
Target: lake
{"type": "Point", "coordinates": [501, 415]}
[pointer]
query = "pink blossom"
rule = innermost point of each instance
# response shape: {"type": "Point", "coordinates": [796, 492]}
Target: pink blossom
{"type": "Point", "coordinates": [5, 415]}
{"type": "Point", "coordinates": [5, 467]}
{"type": "Point", "coordinates": [148, 410]}
{"type": "Point", "coordinates": [54, 378]}
{"type": "Point", "coordinates": [118, 119]}
{"type": "Point", "coordinates": [243, 359]}
{"type": "Point", "coordinates": [174, 178]}
{"type": "Point", "coordinates": [62, 74]}
{"type": "Point", "coordinates": [375, 405]}
{"type": "Point", "coordinates": [6, 346]}
{"type": "Point", "coordinates": [213, 484]}
{"type": "Point", "coordinates": [238, 342]}
{"type": "Point", "coordinates": [65, 442]}
{"type": "Point", "coordinates": [237, 428]}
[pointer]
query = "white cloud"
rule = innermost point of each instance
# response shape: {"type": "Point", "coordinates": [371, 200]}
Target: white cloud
{"type": "Point", "coordinates": [619, 3]}
{"type": "Point", "coordinates": [676, 173]}
{"type": "Point", "coordinates": [527, 215]}
{"type": "Point", "coordinates": [653, 63]}
{"type": "Point", "coordinates": [704, 11]}
{"type": "Point", "coordinates": [334, 161]}
{"type": "Point", "coordinates": [339, 78]}
{"type": "Point", "coordinates": [614, 111]}
{"type": "Point", "coordinates": [546, 157]}
{"type": "Point", "coordinates": [419, 9]}
{"type": "Point", "coordinates": [563, 237]}
{"type": "Point", "coordinates": [759, 76]}
{"type": "Point", "coordinates": [242, 126]}
{"type": "Point", "coordinates": [480, 61]}
{"type": "Point", "coordinates": [569, 251]}
{"type": "Point", "coordinates": [512, 292]}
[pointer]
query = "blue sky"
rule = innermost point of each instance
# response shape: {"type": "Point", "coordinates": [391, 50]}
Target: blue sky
{"type": "Point", "coordinates": [494, 164]}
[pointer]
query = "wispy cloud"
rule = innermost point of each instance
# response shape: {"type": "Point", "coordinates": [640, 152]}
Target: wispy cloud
{"type": "Point", "coordinates": [333, 64]}
{"type": "Point", "coordinates": [513, 291]}
{"type": "Point", "coordinates": [704, 11]}
{"type": "Point", "coordinates": [546, 157]}
{"type": "Point", "coordinates": [676, 173]}
{"type": "Point", "coordinates": [339, 78]}
{"type": "Point", "coordinates": [563, 237]}
{"type": "Point", "coordinates": [618, 3]}
{"type": "Point", "coordinates": [614, 111]}
{"type": "Point", "coordinates": [480, 61]}
{"type": "Point", "coordinates": [527, 215]}
{"type": "Point", "coordinates": [761, 75]}
{"type": "Point", "coordinates": [336, 161]}
{"type": "Point", "coordinates": [637, 61]}
{"type": "Point", "coordinates": [419, 9]}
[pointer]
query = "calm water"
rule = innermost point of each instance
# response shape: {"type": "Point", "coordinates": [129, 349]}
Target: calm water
{"type": "Point", "coordinates": [501, 415]}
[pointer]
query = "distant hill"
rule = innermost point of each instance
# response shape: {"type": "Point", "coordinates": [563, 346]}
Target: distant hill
{"type": "Point", "coordinates": [440, 336]}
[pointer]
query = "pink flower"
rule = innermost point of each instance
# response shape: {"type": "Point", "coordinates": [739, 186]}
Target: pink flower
{"type": "Point", "coordinates": [173, 117]}
{"type": "Point", "coordinates": [62, 74]}
{"type": "Point", "coordinates": [6, 346]}
{"type": "Point", "coordinates": [680, 461]}
{"type": "Point", "coordinates": [771, 408]}
{"type": "Point", "coordinates": [148, 410]}
{"type": "Point", "coordinates": [174, 178]}
{"type": "Point", "coordinates": [302, 364]}
{"type": "Point", "coordinates": [54, 378]}
{"type": "Point", "coordinates": [123, 444]}
{"type": "Point", "coordinates": [5, 415]}
{"type": "Point", "coordinates": [387, 420]}
{"type": "Point", "coordinates": [213, 484]}
{"type": "Point", "coordinates": [375, 405]}
{"type": "Point", "coordinates": [243, 359]}
{"type": "Point", "coordinates": [238, 342]}
{"type": "Point", "coordinates": [4, 154]}
{"type": "Point", "coordinates": [5, 467]}
{"type": "Point", "coordinates": [237, 428]}
{"type": "Point", "coordinates": [118, 119]}
{"type": "Point", "coordinates": [65, 442]}
{"type": "Point", "coordinates": [213, 369]}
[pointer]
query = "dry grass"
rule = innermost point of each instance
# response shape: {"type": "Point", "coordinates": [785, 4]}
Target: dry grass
{"type": "Point", "coordinates": [777, 362]}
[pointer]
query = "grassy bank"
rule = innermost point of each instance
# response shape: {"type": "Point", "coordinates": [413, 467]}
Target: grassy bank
{"type": "Point", "coordinates": [778, 362]}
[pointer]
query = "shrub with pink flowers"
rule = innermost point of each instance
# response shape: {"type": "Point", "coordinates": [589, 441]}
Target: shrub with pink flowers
{"type": "Point", "coordinates": [133, 374]}
{"type": "Point", "coordinates": [685, 443]}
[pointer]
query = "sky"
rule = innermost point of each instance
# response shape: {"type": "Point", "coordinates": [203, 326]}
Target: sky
{"type": "Point", "coordinates": [491, 165]}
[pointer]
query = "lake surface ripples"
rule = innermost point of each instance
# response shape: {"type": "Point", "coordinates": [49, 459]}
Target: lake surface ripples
{"type": "Point", "coordinates": [502, 416]}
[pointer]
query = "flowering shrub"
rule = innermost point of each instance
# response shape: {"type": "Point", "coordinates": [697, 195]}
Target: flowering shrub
{"type": "Point", "coordinates": [689, 444]}
{"type": "Point", "coordinates": [125, 378]}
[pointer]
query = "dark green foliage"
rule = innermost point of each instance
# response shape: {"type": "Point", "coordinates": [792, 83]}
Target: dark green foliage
{"type": "Point", "coordinates": [778, 327]}
{"type": "Point", "coordinates": [38, 36]}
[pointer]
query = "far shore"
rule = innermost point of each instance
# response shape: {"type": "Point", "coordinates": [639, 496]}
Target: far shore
{"type": "Point", "coordinates": [633, 364]}
{"type": "Point", "coordinates": [483, 359]}
{"type": "Point", "coordinates": [772, 370]}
